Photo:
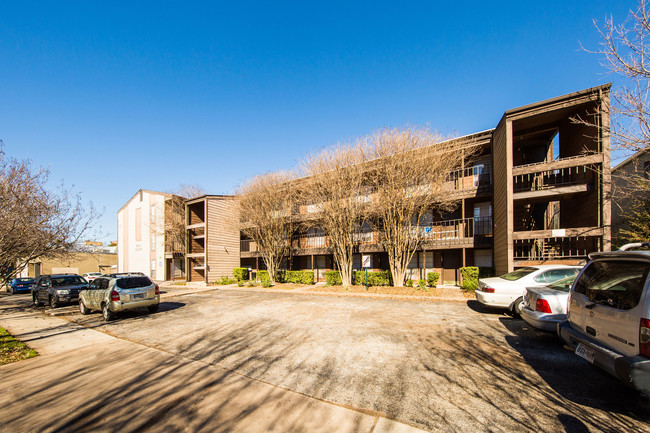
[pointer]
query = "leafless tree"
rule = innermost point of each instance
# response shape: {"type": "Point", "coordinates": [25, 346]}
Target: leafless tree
{"type": "Point", "coordinates": [626, 53]}
{"type": "Point", "coordinates": [335, 183]}
{"type": "Point", "coordinates": [36, 222]}
{"type": "Point", "coordinates": [263, 213]}
{"type": "Point", "coordinates": [174, 223]}
{"type": "Point", "coordinates": [407, 170]}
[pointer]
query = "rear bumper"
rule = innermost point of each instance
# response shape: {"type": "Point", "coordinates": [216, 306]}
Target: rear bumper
{"type": "Point", "coordinates": [542, 321]}
{"type": "Point", "coordinates": [633, 371]}
{"type": "Point", "coordinates": [493, 299]}
{"type": "Point", "coordinates": [132, 305]}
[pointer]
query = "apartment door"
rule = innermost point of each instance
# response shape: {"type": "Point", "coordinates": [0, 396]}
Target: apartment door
{"type": "Point", "coordinates": [451, 261]}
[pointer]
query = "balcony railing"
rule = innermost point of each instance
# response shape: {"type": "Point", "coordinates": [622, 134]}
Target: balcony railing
{"type": "Point", "coordinates": [551, 179]}
{"type": "Point", "coordinates": [247, 246]}
{"type": "Point", "coordinates": [310, 241]}
{"type": "Point", "coordinates": [570, 247]}
{"type": "Point", "coordinates": [458, 230]}
{"type": "Point", "coordinates": [477, 177]}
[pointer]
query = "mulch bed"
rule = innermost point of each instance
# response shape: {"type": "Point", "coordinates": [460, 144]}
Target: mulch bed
{"type": "Point", "coordinates": [382, 290]}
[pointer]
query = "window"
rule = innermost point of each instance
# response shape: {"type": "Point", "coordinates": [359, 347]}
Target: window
{"type": "Point", "coordinates": [133, 282]}
{"type": "Point", "coordinates": [618, 284]}
{"type": "Point", "coordinates": [555, 274]}
{"type": "Point", "coordinates": [646, 170]}
{"type": "Point", "coordinates": [519, 273]}
{"type": "Point", "coordinates": [153, 242]}
{"type": "Point", "coordinates": [152, 214]}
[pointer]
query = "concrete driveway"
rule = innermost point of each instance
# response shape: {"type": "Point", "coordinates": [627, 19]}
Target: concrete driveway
{"type": "Point", "coordinates": [438, 366]}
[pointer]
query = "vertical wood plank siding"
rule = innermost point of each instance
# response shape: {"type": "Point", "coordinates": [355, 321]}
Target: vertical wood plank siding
{"type": "Point", "coordinates": [502, 209]}
{"type": "Point", "coordinates": [222, 240]}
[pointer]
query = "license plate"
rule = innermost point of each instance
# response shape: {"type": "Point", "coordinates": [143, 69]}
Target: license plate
{"type": "Point", "coordinates": [584, 352]}
{"type": "Point", "coordinates": [137, 296]}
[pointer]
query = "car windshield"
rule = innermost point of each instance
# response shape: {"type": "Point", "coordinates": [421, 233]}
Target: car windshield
{"type": "Point", "coordinates": [67, 281]}
{"type": "Point", "coordinates": [519, 273]}
{"type": "Point", "coordinates": [94, 274]}
{"type": "Point", "coordinates": [133, 282]}
{"type": "Point", "coordinates": [24, 280]}
{"type": "Point", "coordinates": [563, 285]}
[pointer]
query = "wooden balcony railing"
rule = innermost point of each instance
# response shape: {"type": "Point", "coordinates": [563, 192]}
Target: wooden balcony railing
{"type": "Point", "coordinates": [551, 179]}
{"type": "Point", "coordinates": [569, 247]}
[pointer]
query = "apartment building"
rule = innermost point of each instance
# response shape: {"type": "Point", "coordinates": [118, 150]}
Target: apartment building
{"type": "Point", "coordinates": [536, 190]}
{"type": "Point", "coordinates": [625, 184]}
{"type": "Point", "coordinates": [146, 242]}
{"type": "Point", "coordinates": [212, 235]}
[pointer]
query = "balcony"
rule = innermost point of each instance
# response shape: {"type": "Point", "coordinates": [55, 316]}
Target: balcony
{"type": "Point", "coordinates": [310, 241]}
{"type": "Point", "coordinates": [561, 177]}
{"type": "Point", "coordinates": [247, 246]}
{"type": "Point", "coordinates": [555, 248]}
{"type": "Point", "coordinates": [463, 232]}
{"type": "Point", "coordinates": [471, 180]}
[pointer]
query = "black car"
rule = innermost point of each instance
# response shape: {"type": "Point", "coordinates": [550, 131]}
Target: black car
{"type": "Point", "coordinates": [57, 289]}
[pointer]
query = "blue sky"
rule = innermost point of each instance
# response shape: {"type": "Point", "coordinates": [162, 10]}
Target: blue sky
{"type": "Point", "coordinates": [120, 96]}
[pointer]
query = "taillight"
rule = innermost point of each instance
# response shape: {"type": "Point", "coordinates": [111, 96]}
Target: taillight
{"type": "Point", "coordinates": [115, 296]}
{"type": "Point", "coordinates": [157, 289]}
{"type": "Point", "coordinates": [542, 305]}
{"type": "Point", "coordinates": [644, 337]}
{"type": "Point", "coordinates": [487, 289]}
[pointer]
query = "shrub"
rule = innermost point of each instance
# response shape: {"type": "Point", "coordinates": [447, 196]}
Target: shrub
{"type": "Point", "coordinates": [432, 279]}
{"type": "Point", "coordinates": [240, 283]}
{"type": "Point", "coordinates": [409, 283]}
{"type": "Point", "coordinates": [470, 277]}
{"type": "Point", "coordinates": [251, 283]}
{"type": "Point", "coordinates": [333, 278]}
{"type": "Point", "coordinates": [240, 273]}
{"type": "Point", "coordinates": [226, 280]}
{"type": "Point", "coordinates": [485, 272]}
{"type": "Point", "coordinates": [266, 283]}
{"type": "Point", "coordinates": [422, 284]}
{"type": "Point", "coordinates": [375, 278]}
{"type": "Point", "coordinates": [299, 277]}
{"type": "Point", "coordinates": [263, 276]}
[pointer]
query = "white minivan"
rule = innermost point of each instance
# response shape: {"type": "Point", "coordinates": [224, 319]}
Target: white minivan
{"type": "Point", "coordinates": [608, 320]}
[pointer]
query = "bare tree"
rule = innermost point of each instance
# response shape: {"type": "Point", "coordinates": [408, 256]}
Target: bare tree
{"type": "Point", "coordinates": [174, 223]}
{"type": "Point", "coordinates": [626, 53]}
{"type": "Point", "coordinates": [335, 182]}
{"type": "Point", "coordinates": [407, 170]}
{"type": "Point", "coordinates": [263, 213]}
{"type": "Point", "coordinates": [34, 221]}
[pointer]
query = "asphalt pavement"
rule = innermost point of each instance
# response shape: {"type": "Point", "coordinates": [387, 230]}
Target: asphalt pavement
{"type": "Point", "coordinates": [381, 364]}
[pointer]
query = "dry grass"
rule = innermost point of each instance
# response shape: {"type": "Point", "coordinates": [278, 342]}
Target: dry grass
{"type": "Point", "coordinates": [12, 350]}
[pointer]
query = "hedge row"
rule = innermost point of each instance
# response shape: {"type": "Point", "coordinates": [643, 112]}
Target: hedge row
{"type": "Point", "coordinates": [298, 277]}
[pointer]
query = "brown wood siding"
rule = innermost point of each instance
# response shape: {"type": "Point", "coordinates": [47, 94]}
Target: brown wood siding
{"type": "Point", "coordinates": [222, 240]}
{"type": "Point", "coordinates": [502, 208]}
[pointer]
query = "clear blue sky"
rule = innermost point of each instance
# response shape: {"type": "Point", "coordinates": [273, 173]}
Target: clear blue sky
{"type": "Point", "coordinates": [150, 95]}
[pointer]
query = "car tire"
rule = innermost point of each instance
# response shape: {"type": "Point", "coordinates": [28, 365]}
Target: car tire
{"type": "Point", "coordinates": [516, 307]}
{"type": "Point", "coordinates": [35, 300]}
{"type": "Point", "coordinates": [11, 290]}
{"type": "Point", "coordinates": [107, 314]}
{"type": "Point", "coordinates": [153, 308]}
{"type": "Point", "coordinates": [53, 302]}
{"type": "Point", "coordinates": [83, 309]}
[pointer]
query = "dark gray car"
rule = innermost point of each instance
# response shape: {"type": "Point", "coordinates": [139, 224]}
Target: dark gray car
{"type": "Point", "coordinates": [57, 289]}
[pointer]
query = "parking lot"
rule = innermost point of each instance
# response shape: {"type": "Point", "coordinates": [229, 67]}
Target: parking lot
{"type": "Point", "coordinates": [439, 366]}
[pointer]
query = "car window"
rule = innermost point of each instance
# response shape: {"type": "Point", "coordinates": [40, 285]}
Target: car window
{"type": "Point", "coordinates": [615, 283]}
{"type": "Point", "coordinates": [133, 282]}
{"type": "Point", "coordinates": [68, 281]}
{"type": "Point", "coordinates": [519, 273]}
{"type": "Point", "coordinates": [553, 275]}
{"type": "Point", "coordinates": [563, 285]}
{"type": "Point", "coordinates": [103, 284]}
{"type": "Point", "coordinates": [24, 280]}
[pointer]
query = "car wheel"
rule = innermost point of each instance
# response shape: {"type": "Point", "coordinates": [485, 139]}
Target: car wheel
{"type": "Point", "coordinates": [82, 308]}
{"type": "Point", "coordinates": [35, 300]}
{"type": "Point", "coordinates": [53, 302]}
{"type": "Point", "coordinates": [153, 308]}
{"type": "Point", "coordinates": [517, 306]}
{"type": "Point", "coordinates": [11, 290]}
{"type": "Point", "coordinates": [107, 313]}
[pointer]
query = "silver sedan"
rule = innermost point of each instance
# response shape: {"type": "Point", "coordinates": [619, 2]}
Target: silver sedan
{"type": "Point", "coordinates": [544, 307]}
